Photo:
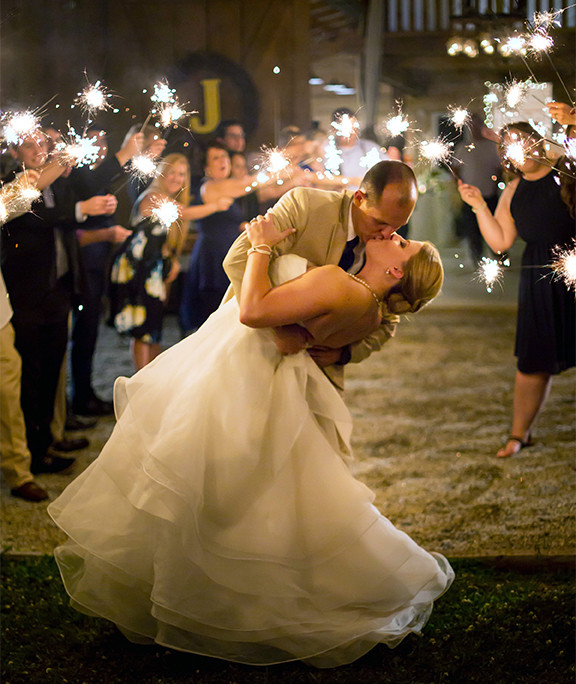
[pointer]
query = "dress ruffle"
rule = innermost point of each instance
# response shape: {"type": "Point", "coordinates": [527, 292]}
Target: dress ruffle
{"type": "Point", "coordinates": [221, 517]}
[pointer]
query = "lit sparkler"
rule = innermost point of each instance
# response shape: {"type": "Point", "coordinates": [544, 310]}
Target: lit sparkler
{"type": "Point", "coordinates": [79, 151]}
{"type": "Point", "coordinates": [167, 107]}
{"type": "Point", "coordinates": [166, 213]}
{"type": "Point", "coordinates": [436, 150]}
{"type": "Point", "coordinates": [490, 272]}
{"type": "Point", "coordinates": [370, 158]}
{"type": "Point", "coordinates": [540, 42]}
{"type": "Point", "coordinates": [162, 93]}
{"type": "Point", "coordinates": [345, 125]}
{"type": "Point", "coordinates": [20, 126]}
{"type": "Point", "coordinates": [332, 157]}
{"type": "Point", "coordinates": [514, 93]}
{"type": "Point", "coordinates": [398, 124]}
{"type": "Point", "coordinates": [564, 265]}
{"type": "Point", "coordinates": [143, 167]}
{"type": "Point", "coordinates": [459, 116]}
{"type": "Point", "coordinates": [546, 19]}
{"type": "Point", "coordinates": [93, 99]}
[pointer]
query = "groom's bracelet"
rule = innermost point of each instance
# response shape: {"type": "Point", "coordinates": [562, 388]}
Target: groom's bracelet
{"type": "Point", "coordinates": [260, 249]}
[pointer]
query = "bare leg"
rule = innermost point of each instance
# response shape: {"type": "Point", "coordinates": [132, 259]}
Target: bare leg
{"type": "Point", "coordinates": [530, 393]}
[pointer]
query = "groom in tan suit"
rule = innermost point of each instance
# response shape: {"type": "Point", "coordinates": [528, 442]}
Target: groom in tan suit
{"type": "Point", "coordinates": [332, 228]}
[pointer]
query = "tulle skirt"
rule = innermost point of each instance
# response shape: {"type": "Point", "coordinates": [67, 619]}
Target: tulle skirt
{"type": "Point", "coordinates": [221, 517]}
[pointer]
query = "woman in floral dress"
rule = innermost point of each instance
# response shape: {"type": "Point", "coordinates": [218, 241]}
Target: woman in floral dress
{"type": "Point", "coordinates": [149, 259]}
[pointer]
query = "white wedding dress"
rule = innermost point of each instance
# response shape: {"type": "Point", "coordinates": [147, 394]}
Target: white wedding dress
{"type": "Point", "coordinates": [221, 517]}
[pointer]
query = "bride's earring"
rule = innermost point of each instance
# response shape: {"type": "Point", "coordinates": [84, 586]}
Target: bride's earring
{"type": "Point", "coordinates": [387, 271]}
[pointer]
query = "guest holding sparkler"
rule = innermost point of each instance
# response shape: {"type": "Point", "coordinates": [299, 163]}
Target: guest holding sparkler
{"type": "Point", "coordinates": [149, 259]}
{"type": "Point", "coordinates": [476, 162]}
{"type": "Point", "coordinates": [152, 147]}
{"type": "Point", "coordinates": [531, 208]}
{"type": "Point", "coordinates": [43, 275]}
{"type": "Point", "coordinates": [205, 281]}
{"type": "Point", "coordinates": [97, 237]}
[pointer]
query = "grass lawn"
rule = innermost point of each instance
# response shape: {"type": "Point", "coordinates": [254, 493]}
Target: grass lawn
{"type": "Point", "coordinates": [494, 625]}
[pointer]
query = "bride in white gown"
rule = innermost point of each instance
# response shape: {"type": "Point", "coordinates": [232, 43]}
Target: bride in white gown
{"type": "Point", "coordinates": [220, 517]}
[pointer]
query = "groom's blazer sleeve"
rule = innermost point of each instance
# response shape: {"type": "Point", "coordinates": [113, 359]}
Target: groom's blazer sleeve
{"type": "Point", "coordinates": [320, 219]}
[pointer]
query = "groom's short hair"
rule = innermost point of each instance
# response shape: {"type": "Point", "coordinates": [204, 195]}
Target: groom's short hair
{"type": "Point", "coordinates": [384, 173]}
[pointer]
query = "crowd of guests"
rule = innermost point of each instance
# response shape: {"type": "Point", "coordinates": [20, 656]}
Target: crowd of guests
{"type": "Point", "coordinates": [63, 260]}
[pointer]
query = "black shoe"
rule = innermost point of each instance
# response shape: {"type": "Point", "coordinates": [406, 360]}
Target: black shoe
{"type": "Point", "coordinates": [30, 491]}
{"type": "Point", "coordinates": [94, 407]}
{"type": "Point", "coordinates": [75, 423]}
{"type": "Point", "coordinates": [52, 464]}
{"type": "Point", "coordinates": [70, 444]}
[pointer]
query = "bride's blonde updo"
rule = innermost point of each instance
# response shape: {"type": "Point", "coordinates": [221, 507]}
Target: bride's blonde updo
{"type": "Point", "coordinates": [421, 282]}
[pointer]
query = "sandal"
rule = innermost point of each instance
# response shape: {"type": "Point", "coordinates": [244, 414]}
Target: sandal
{"type": "Point", "coordinates": [522, 444]}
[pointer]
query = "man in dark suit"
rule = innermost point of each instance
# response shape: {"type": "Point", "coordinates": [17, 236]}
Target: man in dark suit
{"type": "Point", "coordinates": [42, 272]}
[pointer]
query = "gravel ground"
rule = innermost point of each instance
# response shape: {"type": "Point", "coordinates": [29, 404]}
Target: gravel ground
{"type": "Point", "coordinates": [430, 411]}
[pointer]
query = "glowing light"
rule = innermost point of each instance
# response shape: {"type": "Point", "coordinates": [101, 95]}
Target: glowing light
{"type": "Point", "coordinates": [515, 92]}
{"type": "Point", "coordinates": [396, 125]}
{"type": "Point", "coordinates": [370, 158]}
{"type": "Point", "coordinates": [564, 265]}
{"type": "Point", "coordinates": [459, 116]}
{"type": "Point", "coordinates": [516, 44]}
{"type": "Point", "coordinates": [166, 213]}
{"type": "Point", "coordinates": [435, 150]}
{"type": "Point", "coordinates": [162, 93]}
{"type": "Point", "coordinates": [93, 98]}
{"type": "Point", "coordinates": [546, 19]}
{"type": "Point", "coordinates": [78, 151]}
{"type": "Point", "coordinates": [540, 42]}
{"type": "Point", "coordinates": [170, 114]}
{"type": "Point", "coordinates": [489, 272]}
{"type": "Point", "coordinates": [20, 126]}
{"type": "Point", "coordinates": [275, 160]}
{"type": "Point", "coordinates": [345, 125]}
{"type": "Point", "coordinates": [332, 157]}
{"type": "Point", "coordinates": [515, 152]}
{"type": "Point", "coordinates": [142, 167]}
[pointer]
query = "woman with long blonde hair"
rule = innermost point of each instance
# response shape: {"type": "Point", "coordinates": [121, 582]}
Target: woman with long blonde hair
{"type": "Point", "coordinates": [149, 259]}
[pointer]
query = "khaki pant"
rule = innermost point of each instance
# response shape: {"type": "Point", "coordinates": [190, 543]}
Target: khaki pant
{"type": "Point", "coordinates": [14, 452]}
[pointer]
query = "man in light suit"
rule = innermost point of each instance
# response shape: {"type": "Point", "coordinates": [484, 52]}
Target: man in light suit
{"type": "Point", "coordinates": [333, 228]}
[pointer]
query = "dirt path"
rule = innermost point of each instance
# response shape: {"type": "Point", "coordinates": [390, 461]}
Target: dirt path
{"type": "Point", "coordinates": [429, 411]}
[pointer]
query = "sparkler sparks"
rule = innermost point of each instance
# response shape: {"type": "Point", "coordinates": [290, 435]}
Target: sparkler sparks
{"type": "Point", "coordinates": [540, 42]}
{"type": "Point", "coordinates": [143, 167]}
{"type": "Point", "coordinates": [166, 213]}
{"type": "Point", "coordinates": [435, 150]}
{"type": "Point", "coordinates": [514, 93]}
{"type": "Point", "coordinates": [93, 99]}
{"type": "Point", "coordinates": [345, 125]}
{"type": "Point", "coordinates": [20, 126]}
{"type": "Point", "coordinates": [79, 151]}
{"type": "Point", "coordinates": [564, 265]}
{"type": "Point", "coordinates": [370, 158]}
{"type": "Point", "coordinates": [167, 107]}
{"type": "Point", "coordinates": [459, 116]}
{"type": "Point", "coordinates": [17, 197]}
{"type": "Point", "coordinates": [332, 157]}
{"type": "Point", "coordinates": [490, 272]}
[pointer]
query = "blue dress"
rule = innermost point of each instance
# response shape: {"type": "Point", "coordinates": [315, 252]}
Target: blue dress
{"type": "Point", "coordinates": [205, 281]}
{"type": "Point", "coordinates": [546, 326]}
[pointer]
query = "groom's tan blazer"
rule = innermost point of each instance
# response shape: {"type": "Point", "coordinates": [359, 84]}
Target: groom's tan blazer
{"type": "Point", "coordinates": [321, 222]}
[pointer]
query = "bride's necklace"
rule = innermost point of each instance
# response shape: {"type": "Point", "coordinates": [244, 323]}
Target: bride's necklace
{"type": "Point", "coordinates": [363, 282]}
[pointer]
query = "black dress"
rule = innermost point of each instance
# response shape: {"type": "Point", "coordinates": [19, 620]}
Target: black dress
{"type": "Point", "coordinates": [546, 327]}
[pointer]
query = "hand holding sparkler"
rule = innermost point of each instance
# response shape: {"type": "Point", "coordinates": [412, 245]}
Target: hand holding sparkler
{"type": "Point", "coordinates": [99, 205]}
{"type": "Point", "coordinates": [563, 113]}
{"type": "Point", "coordinates": [472, 196]}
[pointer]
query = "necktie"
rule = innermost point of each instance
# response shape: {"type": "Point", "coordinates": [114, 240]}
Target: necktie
{"type": "Point", "coordinates": [347, 258]}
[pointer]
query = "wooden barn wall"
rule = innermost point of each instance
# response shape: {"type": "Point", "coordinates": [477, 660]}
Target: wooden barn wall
{"type": "Point", "coordinates": [218, 54]}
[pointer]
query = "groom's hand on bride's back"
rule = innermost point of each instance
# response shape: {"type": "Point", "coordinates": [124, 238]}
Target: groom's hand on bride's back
{"type": "Point", "coordinates": [290, 339]}
{"type": "Point", "coordinates": [325, 356]}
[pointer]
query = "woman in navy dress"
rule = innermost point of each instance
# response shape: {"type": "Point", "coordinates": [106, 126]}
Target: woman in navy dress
{"type": "Point", "coordinates": [205, 281]}
{"type": "Point", "coordinates": [531, 207]}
